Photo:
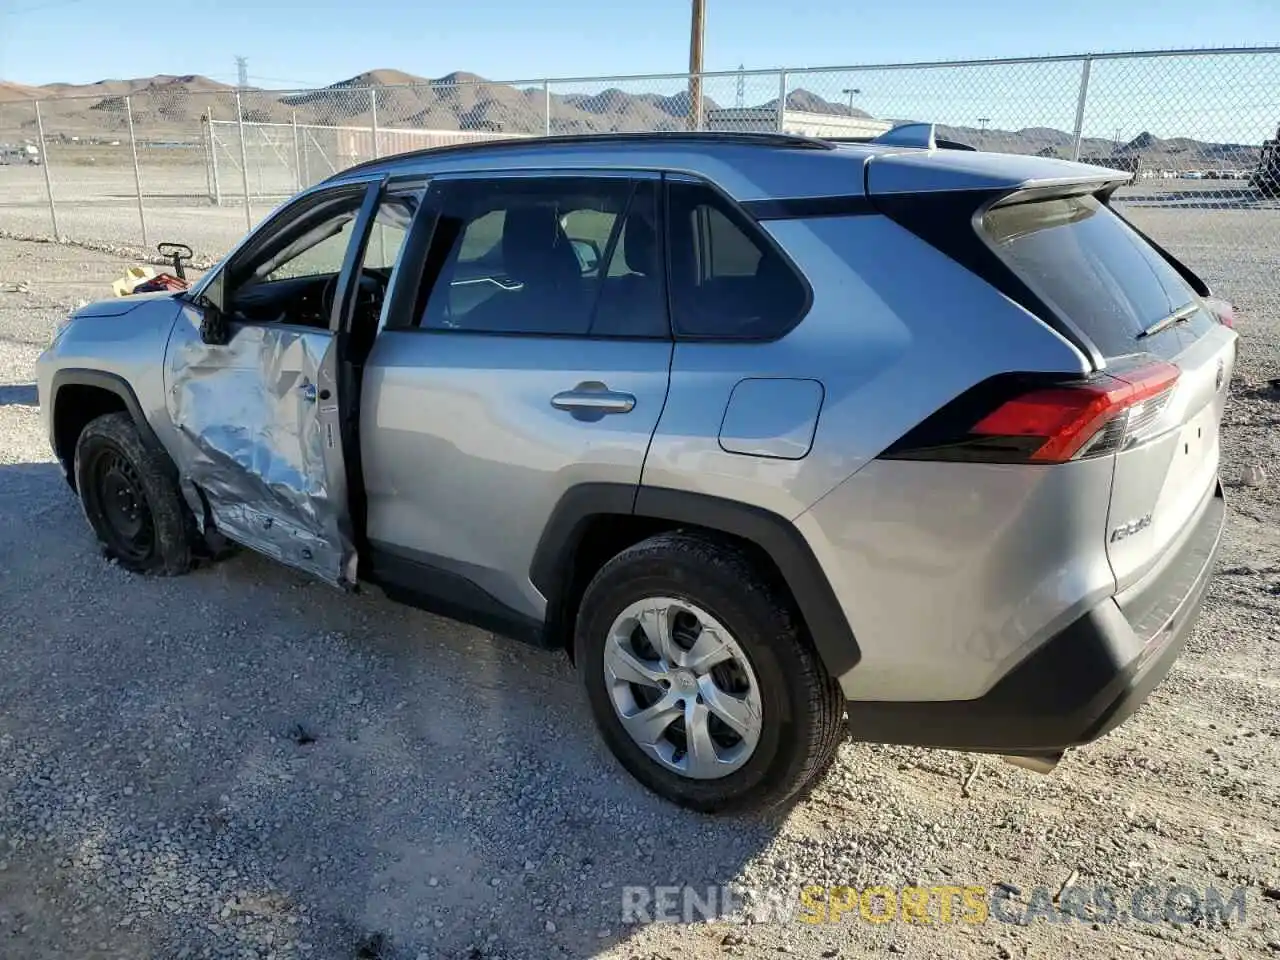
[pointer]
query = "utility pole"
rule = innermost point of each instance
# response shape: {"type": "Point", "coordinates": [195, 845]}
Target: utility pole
{"type": "Point", "coordinates": [242, 72]}
{"type": "Point", "coordinates": [697, 31]}
{"type": "Point", "coordinates": [852, 92]}
{"type": "Point", "coordinates": [982, 123]}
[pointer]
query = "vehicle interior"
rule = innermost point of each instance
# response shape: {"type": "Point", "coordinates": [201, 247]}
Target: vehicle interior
{"type": "Point", "coordinates": [549, 262]}
{"type": "Point", "coordinates": [292, 276]}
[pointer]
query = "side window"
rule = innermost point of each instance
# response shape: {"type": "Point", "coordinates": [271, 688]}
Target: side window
{"type": "Point", "coordinates": [561, 256]}
{"type": "Point", "coordinates": [322, 259]}
{"type": "Point", "coordinates": [727, 280]}
{"type": "Point", "coordinates": [390, 227]}
{"type": "Point", "coordinates": [286, 276]}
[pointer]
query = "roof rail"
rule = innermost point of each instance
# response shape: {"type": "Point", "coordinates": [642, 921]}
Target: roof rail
{"type": "Point", "coordinates": [587, 139]}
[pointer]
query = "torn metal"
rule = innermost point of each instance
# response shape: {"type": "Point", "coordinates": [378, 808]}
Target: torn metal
{"type": "Point", "coordinates": [259, 443]}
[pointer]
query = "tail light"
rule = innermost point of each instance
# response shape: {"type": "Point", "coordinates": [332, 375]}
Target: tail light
{"type": "Point", "coordinates": [1009, 420]}
{"type": "Point", "coordinates": [1222, 310]}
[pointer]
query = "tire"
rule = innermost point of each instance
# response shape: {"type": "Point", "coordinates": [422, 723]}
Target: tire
{"type": "Point", "coordinates": [783, 690]}
{"type": "Point", "coordinates": [131, 499]}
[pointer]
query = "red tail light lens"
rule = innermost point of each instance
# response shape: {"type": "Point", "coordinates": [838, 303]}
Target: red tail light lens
{"type": "Point", "coordinates": [1222, 310]}
{"type": "Point", "coordinates": [1066, 418]}
{"type": "Point", "coordinates": [1011, 419]}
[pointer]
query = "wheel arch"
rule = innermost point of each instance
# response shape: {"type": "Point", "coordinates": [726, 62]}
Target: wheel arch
{"type": "Point", "coordinates": [594, 521]}
{"type": "Point", "coordinates": [78, 396]}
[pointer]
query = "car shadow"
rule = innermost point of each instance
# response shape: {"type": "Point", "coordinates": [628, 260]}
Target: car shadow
{"type": "Point", "coordinates": [19, 395]}
{"type": "Point", "coordinates": [339, 768]}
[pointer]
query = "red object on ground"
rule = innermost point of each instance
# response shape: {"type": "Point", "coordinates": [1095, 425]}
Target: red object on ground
{"type": "Point", "coordinates": [161, 281]}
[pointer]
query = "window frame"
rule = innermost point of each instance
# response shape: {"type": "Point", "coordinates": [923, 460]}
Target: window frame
{"type": "Point", "coordinates": [282, 219]}
{"type": "Point", "coordinates": [412, 298]}
{"type": "Point", "coordinates": [739, 216]}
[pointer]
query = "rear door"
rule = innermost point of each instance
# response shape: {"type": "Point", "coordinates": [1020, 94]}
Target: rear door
{"type": "Point", "coordinates": [1139, 309]}
{"type": "Point", "coordinates": [533, 357]}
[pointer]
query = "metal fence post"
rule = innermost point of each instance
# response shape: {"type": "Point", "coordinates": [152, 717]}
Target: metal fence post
{"type": "Point", "coordinates": [546, 101]}
{"type": "Point", "coordinates": [137, 172]}
{"type": "Point", "coordinates": [48, 177]}
{"type": "Point", "coordinates": [297, 150]}
{"type": "Point", "coordinates": [306, 157]}
{"type": "Point", "coordinates": [373, 108]}
{"type": "Point", "coordinates": [244, 162]}
{"type": "Point", "coordinates": [213, 153]}
{"type": "Point", "coordinates": [782, 101]}
{"type": "Point", "coordinates": [1085, 70]}
{"type": "Point", "coordinates": [205, 144]}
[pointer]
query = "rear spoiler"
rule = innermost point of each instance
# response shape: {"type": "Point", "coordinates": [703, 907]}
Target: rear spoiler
{"type": "Point", "coordinates": [1000, 175]}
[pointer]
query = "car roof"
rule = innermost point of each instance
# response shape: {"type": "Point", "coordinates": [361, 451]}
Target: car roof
{"type": "Point", "coordinates": [748, 166]}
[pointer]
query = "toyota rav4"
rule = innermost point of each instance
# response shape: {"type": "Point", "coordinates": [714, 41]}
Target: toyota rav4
{"type": "Point", "coordinates": [763, 430]}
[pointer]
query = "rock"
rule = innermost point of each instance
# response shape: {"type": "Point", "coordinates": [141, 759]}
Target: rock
{"type": "Point", "coordinates": [550, 926]}
{"type": "Point", "coordinates": [1253, 475]}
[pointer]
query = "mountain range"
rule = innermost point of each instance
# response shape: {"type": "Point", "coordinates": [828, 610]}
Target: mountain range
{"type": "Point", "coordinates": [169, 106]}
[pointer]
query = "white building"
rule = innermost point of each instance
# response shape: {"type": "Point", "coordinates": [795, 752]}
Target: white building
{"type": "Point", "coordinates": [765, 120]}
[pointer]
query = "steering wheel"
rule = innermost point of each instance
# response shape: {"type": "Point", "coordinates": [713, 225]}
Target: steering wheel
{"type": "Point", "coordinates": [371, 290]}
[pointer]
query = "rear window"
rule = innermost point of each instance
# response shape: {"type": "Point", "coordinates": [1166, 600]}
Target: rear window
{"type": "Point", "coordinates": [1085, 261]}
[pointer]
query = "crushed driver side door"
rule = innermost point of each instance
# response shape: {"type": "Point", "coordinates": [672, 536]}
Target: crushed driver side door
{"type": "Point", "coordinates": [257, 417]}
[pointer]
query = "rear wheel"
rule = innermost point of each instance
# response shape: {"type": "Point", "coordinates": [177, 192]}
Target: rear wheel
{"type": "Point", "coordinates": [131, 499]}
{"type": "Point", "coordinates": [700, 680]}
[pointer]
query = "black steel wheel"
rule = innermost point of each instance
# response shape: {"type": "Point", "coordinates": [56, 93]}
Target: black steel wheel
{"type": "Point", "coordinates": [131, 498]}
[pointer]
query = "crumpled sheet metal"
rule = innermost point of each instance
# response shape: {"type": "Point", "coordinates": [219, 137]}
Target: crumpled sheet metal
{"type": "Point", "coordinates": [268, 461]}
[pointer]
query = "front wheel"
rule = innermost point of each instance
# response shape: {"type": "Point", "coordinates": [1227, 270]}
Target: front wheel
{"type": "Point", "coordinates": [131, 499]}
{"type": "Point", "coordinates": [700, 679]}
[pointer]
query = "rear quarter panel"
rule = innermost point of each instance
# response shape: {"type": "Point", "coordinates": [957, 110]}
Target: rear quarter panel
{"type": "Point", "coordinates": [948, 574]}
{"type": "Point", "coordinates": [895, 330]}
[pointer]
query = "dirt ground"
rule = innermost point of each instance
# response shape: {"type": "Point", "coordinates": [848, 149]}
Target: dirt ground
{"type": "Point", "coordinates": [244, 763]}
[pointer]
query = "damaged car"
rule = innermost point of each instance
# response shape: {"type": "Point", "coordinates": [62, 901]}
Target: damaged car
{"type": "Point", "coordinates": [784, 441]}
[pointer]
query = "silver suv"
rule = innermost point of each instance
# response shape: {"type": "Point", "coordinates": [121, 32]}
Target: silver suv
{"type": "Point", "coordinates": [762, 430]}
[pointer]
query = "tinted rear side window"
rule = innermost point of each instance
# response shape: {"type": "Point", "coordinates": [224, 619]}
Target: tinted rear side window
{"type": "Point", "coordinates": [727, 280]}
{"type": "Point", "coordinates": [561, 256]}
{"type": "Point", "coordinates": [1081, 258]}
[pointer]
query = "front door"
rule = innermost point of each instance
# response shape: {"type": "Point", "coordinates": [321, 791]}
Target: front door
{"type": "Point", "coordinates": [255, 398]}
{"type": "Point", "coordinates": [532, 358]}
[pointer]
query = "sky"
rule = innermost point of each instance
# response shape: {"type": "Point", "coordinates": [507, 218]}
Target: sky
{"type": "Point", "coordinates": [293, 43]}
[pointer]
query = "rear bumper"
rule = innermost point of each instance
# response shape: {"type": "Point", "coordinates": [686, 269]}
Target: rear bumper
{"type": "Point", "coordinates": [1081, 683]}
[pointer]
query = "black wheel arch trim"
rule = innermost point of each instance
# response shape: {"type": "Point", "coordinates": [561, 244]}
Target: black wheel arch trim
{"type": "Point", "coordinates": [112, 383]}
{"type": "Point", "coordinates": [552, 566]}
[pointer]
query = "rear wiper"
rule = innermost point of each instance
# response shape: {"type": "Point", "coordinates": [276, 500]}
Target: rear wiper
{"type": "Point", "coordinates": [1181, 315]}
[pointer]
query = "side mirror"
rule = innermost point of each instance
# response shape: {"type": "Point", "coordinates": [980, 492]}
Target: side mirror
{"type": "Point", "coordinates": [588, 255]}
{"type": "Point", "coordinates": [214, 329]}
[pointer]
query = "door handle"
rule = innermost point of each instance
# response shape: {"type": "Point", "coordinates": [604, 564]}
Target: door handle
{"type": "Point", "coordinates": [593, 400]}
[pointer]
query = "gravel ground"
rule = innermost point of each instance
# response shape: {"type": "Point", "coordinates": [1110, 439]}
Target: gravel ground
{"type": "Point", "coordinates": [244, 763]}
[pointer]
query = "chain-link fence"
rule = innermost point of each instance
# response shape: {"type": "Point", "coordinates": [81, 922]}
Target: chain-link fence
{"type": "Point", "coordinates": [173, 160]}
